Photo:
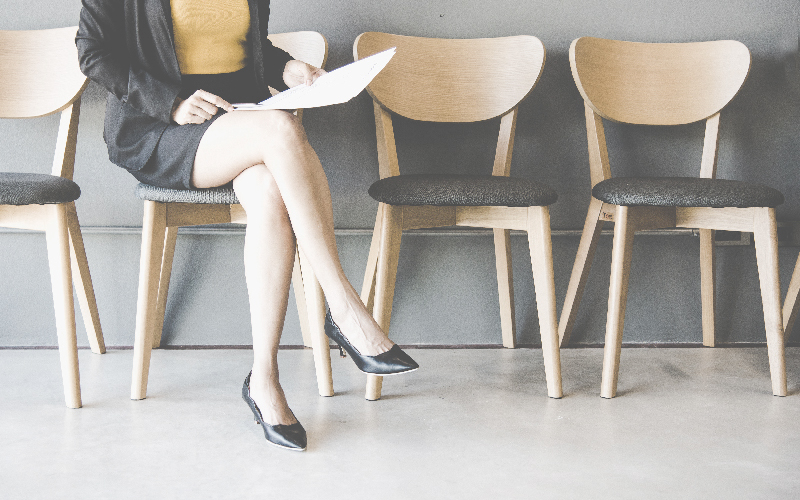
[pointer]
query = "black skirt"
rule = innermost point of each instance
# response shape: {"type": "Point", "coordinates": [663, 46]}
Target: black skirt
{"type": "Point", "coordinates": [171, 163]}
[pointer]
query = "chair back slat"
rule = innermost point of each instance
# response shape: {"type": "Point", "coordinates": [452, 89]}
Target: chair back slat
{"type": "Point", "coordinates": [307, 46]}
{"type": "Point", "coordinates": [658, 83]}
{"type": "Point", "coordinates": [39, 72]}
{"type": "Point", "coordinates": [441, 80]}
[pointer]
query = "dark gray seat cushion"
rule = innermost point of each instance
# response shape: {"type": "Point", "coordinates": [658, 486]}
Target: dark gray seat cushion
{"type": "Point", "coordinates": [215, 196]}
{"type": "Point", "coordinates": [685, 192]}
{"type": "Point", "coordinates": [462, 190]}
{"type": "Point", "coordinates": [36, 189]}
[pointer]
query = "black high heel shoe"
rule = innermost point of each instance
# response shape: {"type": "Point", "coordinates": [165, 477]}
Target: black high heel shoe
{"type": "Point", "coordinates": [392, 362]}
{"type": "Point", "coordinates": [291, 437]}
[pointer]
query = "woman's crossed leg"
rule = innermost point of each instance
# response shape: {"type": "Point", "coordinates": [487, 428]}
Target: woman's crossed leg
{"type": "Point", "coordinates": [283, 189]}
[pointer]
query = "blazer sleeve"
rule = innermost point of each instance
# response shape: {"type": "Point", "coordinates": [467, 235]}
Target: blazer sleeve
{"type": "Point", "coordinates": [104, 58]}
{"type": "Point", "coordinates": [275, 59]}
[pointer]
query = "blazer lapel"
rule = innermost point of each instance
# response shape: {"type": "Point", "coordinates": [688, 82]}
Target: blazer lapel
{"type": "Point", "coordinates": [165, 6]}
{"type": "Point", "coordinates": [167, 12]}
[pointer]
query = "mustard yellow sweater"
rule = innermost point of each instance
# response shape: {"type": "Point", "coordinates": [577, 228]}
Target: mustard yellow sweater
{"type": "Point", "coordinates": [211, 35]}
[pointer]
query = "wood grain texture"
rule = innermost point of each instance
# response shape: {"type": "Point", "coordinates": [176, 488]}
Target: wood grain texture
{"type": "Point", "coordinates": [82, 279]}
{"type": "Point", "coordinates": [505, 144]}
{"type": "Point", "coordinates": [708, 164]}
{"type": "Point", "coordinates": [40, 72]}
{"type": "Point", "coordinates": [599, 167]}
{"type": "Point", "coordinates": [426, 79]}
{"type": "Point", "coordinates": [494, 217]}
{"type": "Point", "coordinates": [541, 249]}
{"type": "Point", "coordinates": [196, 214]}
{"type": "Point", "coordinates": [153, 231]}
{"type": "Point", "coordinates": [58, 256]}
{"type": "Point", "coordinates": [67, 140]}
{"type": "Point", "coordinates": [368, 285]}
{"type": "Point", "coordinates": [167, 258]}
{"type": "Point", "coordinates": [707, 286]}
{"type": "Point", "coordinates": [617, 299]}
{"type": "Point", "coordinates": [658, 83]}
{"type": "Point", "coordinates": [667, 84]}
{"type": "Point", "coordinates": [315, 302]}
{"type": "Point", "coordinates": [580, 270]}
{"type": "Point", "coordinates": [387, 149]}
{"type": "Point", "coordinates": [300, 299]}
{"type": "Point", "coordinates": [765, 235]}
{"type": "Point", "coordinates": [505, 286]}
{"type": "Point", "coordinates": [426, 216]}
{"type": "Point", "coordinates": [791, 304]}
{"type": "Point", "coordinates": [388, 255]}
{"type": "Point", "coordinates": [307, 46]}
{"type": "Point", "coordinates": [34, 217]}
{"type": "Point", "coordinates": [40, 76]}
{"type": "Point", "coordinates": [725, 219]}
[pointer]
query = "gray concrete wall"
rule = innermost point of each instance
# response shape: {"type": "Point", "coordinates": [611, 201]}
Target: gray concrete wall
{"type": "Point", "coordinates": [446, 292]}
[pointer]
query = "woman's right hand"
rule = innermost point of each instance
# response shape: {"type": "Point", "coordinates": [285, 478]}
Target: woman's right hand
{"type": "Point", "coordinates": [198, 108]}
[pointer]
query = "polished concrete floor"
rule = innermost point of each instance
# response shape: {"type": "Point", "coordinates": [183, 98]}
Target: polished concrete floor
{"type": "Point", "coordinates": [688, 423]}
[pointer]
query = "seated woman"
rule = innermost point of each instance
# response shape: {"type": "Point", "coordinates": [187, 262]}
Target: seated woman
{"type": "Point", "coordinates": [172, 68]}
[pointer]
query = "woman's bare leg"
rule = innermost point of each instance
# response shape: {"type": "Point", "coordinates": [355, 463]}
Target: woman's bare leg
{"type": "Point", "coordinates": [235, 142]}
{"type": "Point", "coordinates": [269, 250]}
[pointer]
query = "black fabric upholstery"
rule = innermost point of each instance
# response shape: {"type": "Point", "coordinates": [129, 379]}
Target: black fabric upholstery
{"type": "Point", "coordinates": [36, 189]}
{"type": "Point", "coordinates": [219, 195]}
{"type": "Point", "coordinates": [462, 190]}
{"type": "Point", "coordinates": [685, 192]}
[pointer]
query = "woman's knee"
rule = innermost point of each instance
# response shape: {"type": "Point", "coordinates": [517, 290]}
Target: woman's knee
{"type": "Point", "coordinates": [259, 194]}
{"type": "Point", "coordinates": [282, 129]}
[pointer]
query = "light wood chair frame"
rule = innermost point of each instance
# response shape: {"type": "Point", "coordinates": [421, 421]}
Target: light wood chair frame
{"type": "Point", "coordinates": [381, 271]}
{"type": "Point", "coordinates": [603, 102]}
{"type": "Point", "coordinates": [41, 77]}
{"type": "Point", "coordinates": [159, 237]}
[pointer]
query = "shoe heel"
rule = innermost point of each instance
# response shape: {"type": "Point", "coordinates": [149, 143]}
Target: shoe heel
{"type": "Point", "coordinates": [342, 354]}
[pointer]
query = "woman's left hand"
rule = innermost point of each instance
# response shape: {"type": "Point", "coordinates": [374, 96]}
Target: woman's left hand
{"type": "Point", "coordinates": [298, 73]}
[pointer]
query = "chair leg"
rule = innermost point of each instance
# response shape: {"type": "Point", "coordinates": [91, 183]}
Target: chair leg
{"type": "Point", "coordinates": [707, 280]}
{"type": "Point", "coordinates": [765, 233]}
{"type": "Point", "coordinates": [168, 256]}
{"type": "Point", "coordinates": [83, 283]}
{"type": "Point", "coordinates": [315, 303]}
{"type": "Point", "coordinates": [617, 297]}
{"type": "Point", "coordinates": [541, 250]}
{"type": "Point", "coordinates": [58, 256]}
{"type": "Point", "coordinates": [153, 230]}
{"type": "Point", "coordinates": [791, 305]}
{"type": "Point", "coordinates": [368, 285]}
{"type": "Point", "coordinates": [389, 253]}
{"type": "Point", "coordinates": [505, 286]}
{"type": "Point", "coordinates": [300, 299]}
{"type": "Point", "coordinates": [580, 270]}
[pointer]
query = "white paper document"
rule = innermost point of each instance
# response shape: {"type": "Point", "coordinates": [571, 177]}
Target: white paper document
{"type": "Point", "coordinates": [335, 87]}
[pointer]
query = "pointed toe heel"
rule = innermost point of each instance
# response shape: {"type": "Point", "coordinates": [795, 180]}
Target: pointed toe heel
{"type": "Point", "coordinates": [392, 362]}
{"type": "Point", "coordinates": [290, 437]}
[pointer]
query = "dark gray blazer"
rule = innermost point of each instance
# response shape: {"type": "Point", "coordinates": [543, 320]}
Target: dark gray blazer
{"type": "Point", "coordinates": [127, 47]}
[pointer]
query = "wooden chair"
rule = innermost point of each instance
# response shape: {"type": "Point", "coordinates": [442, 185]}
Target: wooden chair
{"type": "Point", "coordinates": [668, 84]}
{"type": "Point", "coordinates": [438, 80]}
{"type": "Point", "coordinates": [39, 76]}
{"type": "Point", "coordinates": [165, 210]}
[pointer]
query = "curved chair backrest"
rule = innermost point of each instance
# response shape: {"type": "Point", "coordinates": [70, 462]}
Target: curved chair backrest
{"type": "Point", "coordinates": [39, 73]}
{"type": "Point", "coordinates": [658, 83]}
{"type": "Point", "coordinates": [442, 80]}
{"type": "Point", "coordinates": [307, 46]}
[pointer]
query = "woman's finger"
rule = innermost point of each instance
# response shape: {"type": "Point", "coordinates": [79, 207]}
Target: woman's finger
{"type": "Point", "coordinates": [318, 72]}
{"type": "Point", "coordinates": [199, 103]}
{"type": "Point", "coordinates": [202, 112]}
{"type": "Point", "coordinates": [214, 99]}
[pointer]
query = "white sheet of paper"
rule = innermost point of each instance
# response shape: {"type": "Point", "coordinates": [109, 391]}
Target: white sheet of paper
{"type": "Point", "coordinates": [335, 87]}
